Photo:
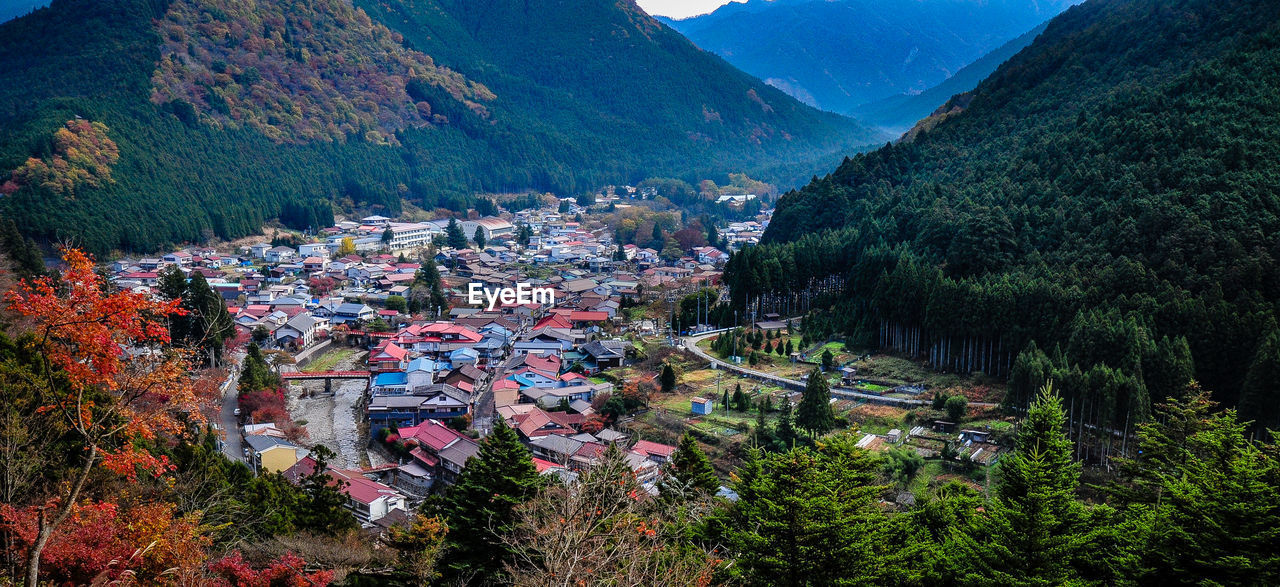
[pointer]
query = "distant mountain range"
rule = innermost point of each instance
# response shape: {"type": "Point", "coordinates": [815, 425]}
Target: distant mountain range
{"type": "Point", "coordinates": [133, 124]}
{"type": "Point", "coordinates": [11, 9]}
{"type": "Point", "coordinates": [841, 54]}
{"type": "Point", "coordinates": [898, 113]}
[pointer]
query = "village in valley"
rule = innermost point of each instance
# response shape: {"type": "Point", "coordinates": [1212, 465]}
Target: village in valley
{"type": "Point", "coordinates": [385, 371]}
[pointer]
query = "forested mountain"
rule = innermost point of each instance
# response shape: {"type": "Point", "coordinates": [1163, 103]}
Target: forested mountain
{"type": "Point", "coordinates": [898, 113]}
{"type": "Point", "coordinates": [840, 54]}
{"type": "Point", "coordinates": [1107, 193]}
{"type": "Point", "coordinates": [131, 124]}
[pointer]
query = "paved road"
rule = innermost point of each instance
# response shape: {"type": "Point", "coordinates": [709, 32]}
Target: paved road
{"type": "Point", "coordinates": [691, 343]}
{"type": "Point", "coordinates": [230, 401]}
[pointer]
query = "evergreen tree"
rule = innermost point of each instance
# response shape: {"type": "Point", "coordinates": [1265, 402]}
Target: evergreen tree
{"type": "Point", "coordinates": [786, 425]}
{"type": "Point", "coordinates": [828, 360]}
{"type": "Point", "coordinates": [478, 238]}
{"type": "Point", "coordinates": [1030, 371]}
{"type": "Point", "coordinates": [1033, 531]}
{"type": "Point", "coordinates": [814, 414]}
{"type": "Point", "coordinates": [255, 374]}
{"type": "Point", "coordinates": [209, 324]}
{"type": "Point", "coordinates": [479, 508]}
{"type": "Point", "coordinates": [688, 473]}
{"type": "Point", "coordinates": [454, 236]}
{"type": "Point", "coordinates": [1260, 396]}
{"type": "Point", "coordinates": [427, 291]}
{"type": "Point", "coordinates": [807, 517]}
{"type": "Point", "coordinates": [1204, 500]}
{"type": "Point", "coordinates": [956, 406]}
{"type": "Point", "coordinates": [667, 379]}
{"type": "Point", "coordinates": [172, 283]}
{"type": "Point", "coordinates": [790, 348]}
{"type": "Point", "coordinates": [387, 236]}
{"type": "Point", "coordinates": [524, 234]}
{"type": "Point", "coordinates": [324, 507]}
{"type": "Point", "coordinates": [23, 253]}
{"type": "Point", "coordinates": [739, 399]}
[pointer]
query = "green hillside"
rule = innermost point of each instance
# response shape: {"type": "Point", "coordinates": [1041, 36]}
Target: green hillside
{"type": "Point", "coordinates": [1109, 192]}
{"type": "Point", "coordinates": [211, 116]}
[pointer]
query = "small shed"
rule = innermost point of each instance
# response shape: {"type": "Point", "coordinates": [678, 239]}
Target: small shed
{"type": "Point", "coordinates": [702, 406]}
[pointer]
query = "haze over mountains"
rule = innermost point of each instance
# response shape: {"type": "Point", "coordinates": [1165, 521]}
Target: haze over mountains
{"type": "Point", "coordinates": [841, 54]}
{"type": "Point", "coordinates": [212, 114]}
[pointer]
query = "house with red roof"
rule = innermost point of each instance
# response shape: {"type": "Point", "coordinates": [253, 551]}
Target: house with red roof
{"type": "Point", "coordinates": [659, 453]}
{"type": "Point", "coordinates": [387, 357]}
{"type": "Point", "coordinates": [369, 500]}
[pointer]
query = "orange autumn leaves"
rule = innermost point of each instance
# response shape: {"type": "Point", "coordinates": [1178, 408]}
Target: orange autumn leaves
{"type": "Point", "coordinates": [103, 540]}
{"type": "Point", "coordinates": [116, 382]}
{"type": "Point", "coordinates": [82, 157]}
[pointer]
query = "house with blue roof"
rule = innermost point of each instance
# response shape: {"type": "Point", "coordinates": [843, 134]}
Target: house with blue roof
{"type": "Point", "coordinates": [391, 383]}
{"type": "Point", "coordinates": [465, 356]}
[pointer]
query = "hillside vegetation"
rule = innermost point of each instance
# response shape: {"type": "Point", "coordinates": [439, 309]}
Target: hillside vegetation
{"type": "Point", "coordinates": [1107, 193]}
{"type": "Point", "coordinates": [228, 114]}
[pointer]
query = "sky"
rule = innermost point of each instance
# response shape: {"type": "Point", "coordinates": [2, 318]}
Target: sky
{"type": "Point", "coordinates": [681, 8]}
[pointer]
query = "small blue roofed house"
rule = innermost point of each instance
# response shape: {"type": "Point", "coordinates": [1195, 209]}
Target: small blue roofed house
{"type": "Point", "coordinates": [391, 383]}
{"type": "Point", "coordinates": [702, 406]}
{"type": "Point", "coordinates": [462, 357]}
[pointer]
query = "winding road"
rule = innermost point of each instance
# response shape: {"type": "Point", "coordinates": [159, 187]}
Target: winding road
{"type": "Point", "coordinates": [691, 344]}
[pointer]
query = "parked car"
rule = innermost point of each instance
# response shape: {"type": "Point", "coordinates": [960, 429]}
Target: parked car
{"type": "Point", "coordinates": [236, 413]}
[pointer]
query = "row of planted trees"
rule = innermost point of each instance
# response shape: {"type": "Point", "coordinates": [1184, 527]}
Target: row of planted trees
{"type": "Point", "coordinates": [1131, 332]}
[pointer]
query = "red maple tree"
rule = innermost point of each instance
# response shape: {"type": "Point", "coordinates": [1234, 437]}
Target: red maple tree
{"type": "Point", "coordinates": [109, 375]}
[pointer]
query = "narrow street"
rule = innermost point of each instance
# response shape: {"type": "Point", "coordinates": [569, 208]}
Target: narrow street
{"type": "Point", "coordinates": [231, 440]}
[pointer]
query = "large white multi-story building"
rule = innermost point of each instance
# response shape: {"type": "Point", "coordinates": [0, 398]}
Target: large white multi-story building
{"type": "Point", "coordinates": [411, 235]}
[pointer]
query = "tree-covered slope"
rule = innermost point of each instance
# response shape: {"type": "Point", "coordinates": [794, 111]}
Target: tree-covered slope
{"type": "Point", "coordinates": [209, 116]}
{"type": "Point", "coordinates": [896, 114]}
{"type": "Point", "coordinates": [840, 54]}
{"type": "Point", "coordinates": [1109, 191]}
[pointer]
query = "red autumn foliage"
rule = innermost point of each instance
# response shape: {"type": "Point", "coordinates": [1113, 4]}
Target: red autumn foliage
{"type": "Point", "coordinates": [287, 571]}
{"type": "Point", "coordinates": [104, 538]}
{"type": "Point", "coordinates": [267, 399]}
{"type": "Point", "coordinates": [112, 344]}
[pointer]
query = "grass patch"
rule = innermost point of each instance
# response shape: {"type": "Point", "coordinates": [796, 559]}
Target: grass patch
{"type": "Point", "coordinates": [330, 359]}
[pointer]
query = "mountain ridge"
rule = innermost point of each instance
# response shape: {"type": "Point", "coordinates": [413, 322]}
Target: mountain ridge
{"type": "Point", "coordinates": [221, 140]}
{"type": "Point", "coordinates": [841, 54]}
{"type": "Point", "coordinates": [1106, 187]}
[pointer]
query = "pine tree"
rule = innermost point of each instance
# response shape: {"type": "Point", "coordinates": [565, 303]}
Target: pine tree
{"type": "Point", "coordinates": [1033, 532]}
{"type": "Point", "coordinates": [324, 510]}
{"type": "Point", "coordinates": [814, 414]}
{"type": "Point", "coordinates": [786, 425]}
{"type": "Point", "coordinates": [454, 236]}
{"type": "Point", "coordinates": [1260, 396]}
{"type": "Point", "coordinates": [1209, 500]}
{"type": "Point", "coordinates": [478, 238]}
{"type": "Point", "coordinates": [807, 517]}
{"type": "Point", "coordinates": [23, 253]}
{"type": "Point", "coordinates": [209, 324]}
{"type": "Point", "coordinates": [667, 379]}
{"type": "Point", "coordinates": [689, 473]}
{"type": "Point", "coordinates": [479, 508]}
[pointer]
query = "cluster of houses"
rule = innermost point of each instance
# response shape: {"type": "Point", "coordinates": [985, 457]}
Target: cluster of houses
{"type": "Point", "coordinates": [535, 365]}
